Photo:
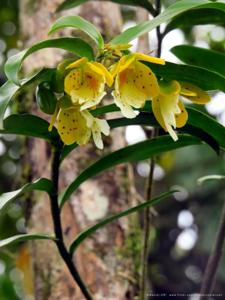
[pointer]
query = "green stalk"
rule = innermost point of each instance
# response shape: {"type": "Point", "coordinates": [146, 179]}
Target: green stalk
{"type": "Point", "coordinates": [147, 223]}
{"type": "Point", "coordinates": [55, 211]}
{"type": "Point", "coordinates": [209, 277]}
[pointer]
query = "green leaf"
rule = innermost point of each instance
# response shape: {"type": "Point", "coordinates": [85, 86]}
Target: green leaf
{"type": "Point", "coordinates": [207, 124]}
{"type": "Point", "coordinates": [80, 23]}
{"type": "Point", "coordinates": [9, 89]}
{"type": "Point", "coordinates": [205, 79]}
{"type": "Point", "coordinates": [86, 233]}
{"type": "Point", "coordinates": [41, 184]}
{"type": "Point", "coordinates": [213, 13]}
{"type": "Point", "coordinates": [173, 10]}
{"type": "Point", "coordinates": [29, 125]}
{"type": "Point", "coordinates": [74, 3]}
{"type": "Point", "coordinates": [25, 237]}
{"type": "Point", "coordinates": [201, 180]}
{"type": "Point", "coordinates": [104, 110]}
{"type": "Point", "coordinates": [208, 129]}
{"type": "Point", "coordinates": [136, 152]}
{"type": "Point", "coordinates": [200, 57]}
{"type": "Point", "coordinates": [73, 45]}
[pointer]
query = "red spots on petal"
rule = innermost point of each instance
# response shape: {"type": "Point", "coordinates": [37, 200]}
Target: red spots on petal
{"type": "Point", "coordinates": [123, 77]}
{"type": "Point", "coordinates": [93, 82]}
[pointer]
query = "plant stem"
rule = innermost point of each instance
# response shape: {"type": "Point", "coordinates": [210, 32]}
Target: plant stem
{"type": "Point", "coordinates": [151, 9]}
{"type": "Point", "coordinates": [147, 222]}
{"type": "Point", "coordinates": [58, 225]}
{"type": "Point", "coordinates": [149, 184]}
{"type": "Point", "coordinates": [158, 31]}
{"type": "Point", "coordinates": [213, 261]}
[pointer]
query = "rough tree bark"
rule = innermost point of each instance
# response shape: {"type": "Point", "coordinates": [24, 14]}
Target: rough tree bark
{"type": "Point", "coordinates": [107, 273]}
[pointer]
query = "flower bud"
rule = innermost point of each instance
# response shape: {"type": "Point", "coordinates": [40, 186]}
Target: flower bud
{"type": "Point", "coordinates": [65, 102]}
{"type": "Point", "coordinates": [46, 99]}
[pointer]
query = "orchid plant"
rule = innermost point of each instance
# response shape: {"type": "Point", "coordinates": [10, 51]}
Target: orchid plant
{"type": "Point", "coordinates": [146, 90]}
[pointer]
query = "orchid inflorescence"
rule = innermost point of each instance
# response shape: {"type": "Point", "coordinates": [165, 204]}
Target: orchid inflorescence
{"type": "Point", "coordinates": [133, 83]}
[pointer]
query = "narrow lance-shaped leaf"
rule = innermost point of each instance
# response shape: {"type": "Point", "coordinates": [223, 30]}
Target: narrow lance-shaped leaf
{"type": "Point", "coordinates": [86, 233]}
{"type": "Point", "coordinates": [213, 13]}
{"type": "Point", "coordinates": [24, 238]}
{"type": "Point", "coordinates": [200, 57]}
{"type": "Point", "coordinates": [104, 110]}
{"type": "Point", "coordinates": [207, 124]}
{"type": "Point", "coordinates": [73, 45]}
{"type": "Point", "coordinates": [175, 9]}
{"type": "Point", "coordinates": [42, 184]}
{"type": "Point", "coordinates": [205, 79]}
{"type": "Point", "coordinates": [201, 180]}
{"type": "Point", "coordinates": [196, 120]}
{"type": "Point", "coordinates": [9, 89]}
{"type": "Point", "coordinates": [79, 23]}
{"type": "Point", "coordinates": [149, 120]}
{"type": "Point", "coordinates": [136, 152]}
{"type": "Point", "coordinates": [29, 125]}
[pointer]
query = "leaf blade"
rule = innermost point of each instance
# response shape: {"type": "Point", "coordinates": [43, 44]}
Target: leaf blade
{"type": "Point", "coordinates": [7, 91]}
{"type": "Point", "coordinates": [201, 57]}
{"type": "Point", "coordinates": [29, 125]}
{"type": "Point", "coordinates": [80, 23]}
{"type": "Point", "coordinates": [41, 184]}
{"type": "Point", "coordinates": [86, 233]}
{"type": "Point", "coordinates": [212, 13]}
{"type": "Point", "coordinates": [142, 28]}
{"type": "Point", "coordinates": [23, 238]}
{"type": "Point", "coordinates": [201, 180]}
{"type": "Point", "coordinates": [139, 151]}
{"type": "Point", "coordinates": [73, 45]}
{"type": "Point", "coordinates": [205, 79]}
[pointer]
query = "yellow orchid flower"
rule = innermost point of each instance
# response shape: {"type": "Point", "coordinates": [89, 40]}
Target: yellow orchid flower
{"type": "Point", "coordinates": [72, 126]}
{"type": "Point", "coordinates": [134, 82]}
{"type": "Point", "coordinates": [77, 126]}
{"type": "Point", "coordinates": [85, 83]}
{"type": "Point", "coordinates": [169, 110]}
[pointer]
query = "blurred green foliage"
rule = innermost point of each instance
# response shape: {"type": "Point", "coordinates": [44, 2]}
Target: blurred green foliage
{"type": "Point", "coordinates": [11, 221]}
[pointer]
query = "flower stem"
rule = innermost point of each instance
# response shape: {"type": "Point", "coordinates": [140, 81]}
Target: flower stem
{"type": "Point", "coordinates": [149, 184]}
{"type": "Point", "coordinates": [147, 222]}
{"type": "Point", "coordinates": [209, 277]}
{"type": "Point", "coordinates": [55, 211]}
{"type": "Point", "coordinates": [158, 31]}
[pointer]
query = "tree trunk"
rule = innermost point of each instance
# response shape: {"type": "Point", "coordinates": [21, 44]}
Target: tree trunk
{"type": "Point", "coordinates": [100, 260]}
